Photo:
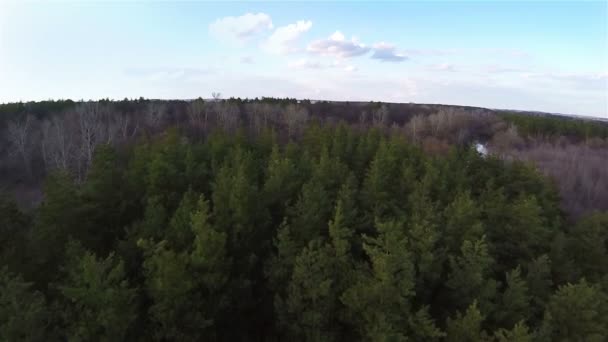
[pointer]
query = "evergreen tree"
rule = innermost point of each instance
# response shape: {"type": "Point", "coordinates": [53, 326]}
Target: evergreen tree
{"type": "Point", "coordinates": [380, 299]}
{"type": "Point", "coordinates": [185, 286]}
{"type": "Point", "coordinates": [14, 226]}
{"type": "Point", "coordinates": [515, 300]}
{"type": "Point", "coordinates": [58, 219]}
{"type": "Point", "coordinates": [100, 304]}
{"type": "Point", "coordinates": [24, 315]}
{"type": "Point", "coordinates": [519, 333]}
{"type": "Point", "coordinates": [103, 202]}
{"type": "Point", "coordinates": [588, 246]}
{"type": "Point", "coordinates": [312, 299]}
{"type": "Point", "coordinates": [577, 312]}
{"type": "Point", "coordinates": [467, 327]}
{"type": "Point", "coordinates": [540, 284]}
{"type": "Point", "coordinates": [469, 278]}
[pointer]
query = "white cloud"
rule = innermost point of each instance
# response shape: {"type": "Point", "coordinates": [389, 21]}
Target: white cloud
{"type": "Point", "coordinates": [304, 63]}
{"type": "Point", "coordinates": [387, 53]}
{"type": "Point", "coordinates": [283, 39]}
{"type": "Point", "coordinates": [337, 46]}
{"type": "Point", "coordinates": [443, 67]}
{"type": "Point", "coordinates": [497, 69]}
{"type": "Point", "coordinates": [428, 52]}
{"type": "Point", "coordinates": [246, 60]}
{"type": "Point", "coordinates": [596, 81]}
{"type": "Point", "coordinates": [239, 29]}
{"type": "Point", "coordinates": [168, 74]}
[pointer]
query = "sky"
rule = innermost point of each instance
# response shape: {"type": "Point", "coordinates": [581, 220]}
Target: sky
{"type": "Point", "coordinates": [544, 56]}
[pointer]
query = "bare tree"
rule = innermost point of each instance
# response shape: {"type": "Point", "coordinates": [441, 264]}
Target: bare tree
{"type": "Point", "coordinates": [256, 117]}
{"type": "Point", "coordinates": [363, 118]}
{"type": "Point", "coordinates": [89, 122]}
{"type": "Point", "coordinates": [228, 115]}
{"type": "Point", "coordinates": [295, 118]}
{"type": "Point", "coordinates": [19, 136]}
{"type": "Point", "coordinates": [57, 143]}
{"type": "Point", "coordinates": [121, 128]}
{"type": "Point", "coordinates": [581, 171]}
{"type": "Point", "coordinates": [127, 126]}
{"type": "Point", "coordinates": [381, 116]}
{"type": "Point", "coordinates": [155, 114]}
{"type": "Point", "coordinates": [415, 127]}
{"type": "Point", "coordinates": [197, 114]}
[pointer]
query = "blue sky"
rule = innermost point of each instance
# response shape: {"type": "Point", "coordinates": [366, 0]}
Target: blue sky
{"type": "Point", "coordinates": [548, 56]}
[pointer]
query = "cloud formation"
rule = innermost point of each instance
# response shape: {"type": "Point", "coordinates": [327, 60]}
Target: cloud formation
{"type": "Point", "coordinates": [337, 46]}
{"type": "Point", "coordinates": [443, 67]}
{"type": "Point", "coordinates": [169, 73]}
{"type": "Point", "coordinates": [596, 81]}
{"type": "Point", "coordinates": [246, 60]}
{"type": "Point", "coordinates": [304, 63]}
{"type": "Point", "coordinates": [387, 53]}
{"type": "Point", "coordinates": [240, 28]}
{"type": "Point", "coordinates": [498, 69]}
{"type": "Point", "coordinates": [283, 39]}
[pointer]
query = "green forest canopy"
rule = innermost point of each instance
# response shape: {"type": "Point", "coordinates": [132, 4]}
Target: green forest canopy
{"type": "Point", "coordinates": [348, 235]}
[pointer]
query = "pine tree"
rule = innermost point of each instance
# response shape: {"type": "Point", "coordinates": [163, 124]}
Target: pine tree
{"type": "Point", "coordinates": [378, 193]}
{"type": "Point", "coordinates": [588, 246]}
{"type": "Point", "coordinates": [467, 327]}
{"type": "Point", "coordinates": [24, 315]}
{"type": "Point", "coordinates": [58, 219]}
{"type": "Point", "coordinates": [519, 333]}
{"type": "Point", "coordinates": [176, 309]}
{"type": "Point", "coordinates": [311, 213]}
{"type": "Point", "coordinates": [577, 312]}
{"type": "Point", "coordinates": [422, 327]}
{"type": "Point", "coordinates": [14, 226]}
{"type": "Point", "coordinates": [515, 300]}
{"type": "Point", "coordinates": [463, 222]}
{"type": "Point", "coordinates": [379, 300]}
{"type": "Point", "coordinates": [208, 256]}
{"type": "Point", "coordinates": [103, 202]}
{"type": "Point", "coordinates": [540, 285]}
{"type": "Point", "coordinates": [469, 278]}
{"type": "Point", "coordinates": [312, 299]}
{"type": "Point", "coordinates": [187, 286]}
{"type": "Point", "coordinates": [178, 233]}
{"type": "Point", "coordinates": [100, 304]}
{"type": "Point", "coordinates": [340, 234]}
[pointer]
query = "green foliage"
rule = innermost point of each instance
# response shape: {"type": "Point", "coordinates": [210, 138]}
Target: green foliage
{"type": "Point", "coordinates": [519, 333]}
{"type": "Point", "coordinates": [467, 327]}
{"type": "Point", "coordinates": [469, 278]}
{"type": "Point", "coordinates": [588, 246]}
{"type": "Point", "coordinates": [312, 300]}
{"type": "Point", "coordinates": [13, 238]}
{"type": "Point", "coordinates": [345, 234]}
{"type": "Point", "coordinates": [515, 301]}
{"type": "Point", "coordinates": [386, 287]}
{"type": "Point", "coordinates": [58, 219]}
{"type": "Point", "coordinates": [24, 315]}
{"type": "Point", "coordinates": [99, 303]}
{"type": "Point", "coordinates": [548, 125]}
{"type": "Point", "coordinates": [578, 312]}
{"type": "Point", "coordinates": [184, 285]}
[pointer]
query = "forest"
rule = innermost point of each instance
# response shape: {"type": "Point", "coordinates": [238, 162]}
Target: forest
{"type": "Point", "coordinates": [279, 219]}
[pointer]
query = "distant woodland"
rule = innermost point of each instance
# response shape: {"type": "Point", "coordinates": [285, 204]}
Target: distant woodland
{"type": "Point", "coordinates": [278, 219]}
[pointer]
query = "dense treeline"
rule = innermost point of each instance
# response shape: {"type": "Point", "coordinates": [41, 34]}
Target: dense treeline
{"type": "Point", "coordinates": [37, 138]}
{"type": "Point", "coordinates": [552, 125]}
{"type": "Point", "coordinates": [338, 233]}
